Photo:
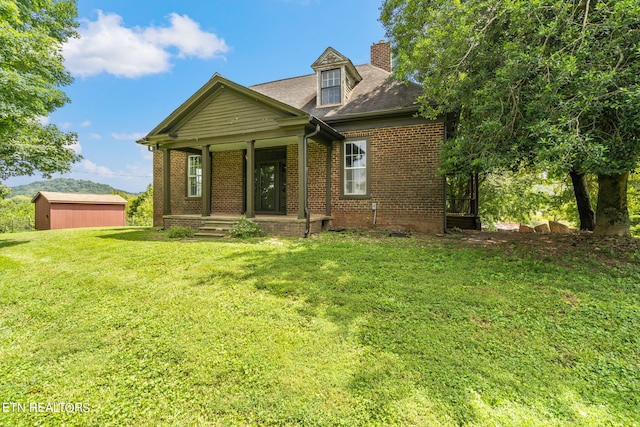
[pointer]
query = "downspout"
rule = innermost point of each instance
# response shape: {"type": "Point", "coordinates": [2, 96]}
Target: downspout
{"type": "Point", "coordinates": [304, 153]}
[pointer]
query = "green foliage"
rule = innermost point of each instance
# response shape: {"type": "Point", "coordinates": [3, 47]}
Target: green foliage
{"type": "Point", "coordinates": [634, 202]}
{"type": "Point", "coordinates": [528, 197]}
{"type": "Point", "coordinates": [180, 232]}
{"type": "Point", "coordinates": [4, 191]}
{"type": "Point", "coordinates": [549, 84]}
{"type": "Point", "coordinates": [339, 330]}
{"type": "Point", "coordinates": [31, 73]}
{"type": "Point", "coordinates": [140, 208]}
{"type": "Point", "coordinates": [244, 229]}
{"type": "Point", "coordinates": [552, 82]}
{"type": "Point", "coordinates": [16, 214]}
{"type": "Point", "coordinates": [510, 196]}
{"type": "Point", "coordinates": [66, 185]}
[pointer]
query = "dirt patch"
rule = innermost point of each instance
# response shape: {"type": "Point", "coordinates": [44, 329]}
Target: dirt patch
{"type": "Point", "coordinates": [611, 250]}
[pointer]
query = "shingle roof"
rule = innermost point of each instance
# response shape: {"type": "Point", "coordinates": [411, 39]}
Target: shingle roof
{"type": "Point", "coordinates": [101, 199]}
{"type": "Point", "coordinates": [377, 92]}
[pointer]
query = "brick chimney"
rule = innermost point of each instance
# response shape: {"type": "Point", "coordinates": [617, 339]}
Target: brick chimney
{"type": "Point", "coordinates": [381, 55]}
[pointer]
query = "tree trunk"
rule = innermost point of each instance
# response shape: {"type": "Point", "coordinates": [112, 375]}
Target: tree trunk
{"type": "Point", "coordinates": [583, 201]}
{"type": "Point", "coordinates": [612, 215]}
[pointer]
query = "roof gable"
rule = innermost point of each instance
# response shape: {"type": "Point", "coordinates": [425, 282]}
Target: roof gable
{"type": "Point", "coordinates": [331, 58]}
{"type": "Point", "coordinates": [220, 105]}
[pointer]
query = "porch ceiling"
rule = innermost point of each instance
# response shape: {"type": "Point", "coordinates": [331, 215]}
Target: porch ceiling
{"type": "Point", "coordinates": [260, 143]}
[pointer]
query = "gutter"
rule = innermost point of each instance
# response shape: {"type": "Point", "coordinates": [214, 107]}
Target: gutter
{"type": "Point", "coordinates": [407, 111]}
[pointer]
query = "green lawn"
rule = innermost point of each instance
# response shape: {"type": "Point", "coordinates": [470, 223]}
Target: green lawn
{"type": "Point", "coordinates": [339, 329]}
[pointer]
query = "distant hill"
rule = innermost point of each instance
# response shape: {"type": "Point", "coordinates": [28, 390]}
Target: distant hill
{"type": "Point", "coordinates": [63, 185]}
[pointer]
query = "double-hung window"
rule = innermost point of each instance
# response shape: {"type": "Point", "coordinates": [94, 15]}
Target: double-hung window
{"type": "Point", "coordinates": [194, 176]}
{"type": "Point", "coordinates": [330, 87]}
{"type": "Point", "coordinates": [355, 168]}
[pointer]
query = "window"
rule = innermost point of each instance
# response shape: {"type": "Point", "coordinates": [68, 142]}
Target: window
{"type": "Point", "coordinates": [355, 168]}
{"type": "Point", "coordinates": [330, 87]}
{"type": "Point", "coordinates": [194, 176]}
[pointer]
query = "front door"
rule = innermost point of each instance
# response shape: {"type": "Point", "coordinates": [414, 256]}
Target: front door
{"type": "Point", "coordinates": [271, 184]}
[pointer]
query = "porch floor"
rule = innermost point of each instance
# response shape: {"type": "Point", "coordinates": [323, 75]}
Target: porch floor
{"type": "Point", "coordinates": [285, 225]}
{"type": "Point", "coordinates": [257, 218]}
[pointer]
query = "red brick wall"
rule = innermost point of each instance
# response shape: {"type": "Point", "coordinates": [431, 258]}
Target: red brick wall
{"type": "Point", "coordinates": [226, 188]}
{"type": "Point", "coordinates": [292, 179]}
{"type": "Point", "coordinates": [180, 203]}
{"type": "Point", "coordinates": [317, 177]}
{"type": "Point", "coordinates": [403, 164]}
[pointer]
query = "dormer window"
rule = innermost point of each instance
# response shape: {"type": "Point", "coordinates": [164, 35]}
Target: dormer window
{"type": "Point", "coordinates": [336, 78]}
{"type": "Point", "coordinates": [330, 91]}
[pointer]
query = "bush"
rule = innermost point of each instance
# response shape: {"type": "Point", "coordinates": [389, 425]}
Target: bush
{"type": "Point", "coordinates": [180, 232]}
{"type": "Point", "coordinates": [245, 228]}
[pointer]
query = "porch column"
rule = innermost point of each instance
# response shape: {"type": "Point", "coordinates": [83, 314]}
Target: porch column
{"type": "Point", "coordinates": [206, 181]}
{"type": "Point", "coordinates": [328, 202]}
{"type": "Point", "coordinates": [166, 181]}
{"type": "Point", "coordinates": [251, 179]}
{"type": "Point", "coordinates": [302, 175]}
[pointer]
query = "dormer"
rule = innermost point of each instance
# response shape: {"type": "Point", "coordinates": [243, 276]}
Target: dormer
{"type": "Point", "coordinates": [336, 77]}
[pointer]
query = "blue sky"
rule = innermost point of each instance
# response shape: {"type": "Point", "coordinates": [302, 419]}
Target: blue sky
{"type": "Point", "coordinates": [135, 62]}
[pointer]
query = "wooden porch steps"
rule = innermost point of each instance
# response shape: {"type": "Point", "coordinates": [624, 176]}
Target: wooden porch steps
{"type": "Point", "coordinates": [215, 228]}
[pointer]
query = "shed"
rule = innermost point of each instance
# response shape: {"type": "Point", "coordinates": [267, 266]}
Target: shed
{"type": "Point", "coordinates": [73, 210]}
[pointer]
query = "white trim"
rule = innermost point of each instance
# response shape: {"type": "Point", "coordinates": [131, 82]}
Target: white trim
{"type": "Point", "coordinates": [197, 176]}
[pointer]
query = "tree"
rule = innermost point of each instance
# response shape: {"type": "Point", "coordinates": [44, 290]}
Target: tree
{"type": "Point", "coordinates": [140, 208]}
{"type": "Point", "coordinates": [31, 73]}
{"type": "Point", "coordinates": [544, 84]}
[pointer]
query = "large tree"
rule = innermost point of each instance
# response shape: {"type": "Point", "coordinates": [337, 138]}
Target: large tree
{"type": "Point", "coordinates": [544, 84]}
{"type": "Point", "coordinates": [32, 72]}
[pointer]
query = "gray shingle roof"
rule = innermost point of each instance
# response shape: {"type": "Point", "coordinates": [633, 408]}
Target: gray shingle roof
{"type": "Point", "coordinates": [377, 92]}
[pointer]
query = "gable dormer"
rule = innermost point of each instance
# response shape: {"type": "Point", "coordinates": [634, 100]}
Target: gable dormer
{"type": "Point", "coordinates": [336, 77]}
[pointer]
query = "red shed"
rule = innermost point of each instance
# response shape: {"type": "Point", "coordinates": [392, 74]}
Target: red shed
{"type": "Point", "coordinates": [71, 210]}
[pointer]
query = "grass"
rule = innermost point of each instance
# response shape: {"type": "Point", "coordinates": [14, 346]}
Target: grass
{"type": "Point", "coordinates": [337, 330]}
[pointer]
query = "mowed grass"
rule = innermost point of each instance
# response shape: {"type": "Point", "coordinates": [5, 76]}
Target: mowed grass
{"type": "Point", "coordinates": [335, 330]}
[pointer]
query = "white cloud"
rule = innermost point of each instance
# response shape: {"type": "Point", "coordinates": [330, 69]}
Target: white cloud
{"type": "Point", "coordinates": [128, 136]}
{"type": "Point", "coordinates": [77, 148]}
{"type": "Point", "coordinates": [95, 136]}
{"type": "Point", "coordinates": [186, 35]}
{"type": "Point", "coordinates": [140, 170]}
{"type": "Point", "coordinates": [44, 120]}
{"type": "Point", "coordinates": [106, 45]}
{"type": "Point", "coordinates": [85, 124]}
{"type": "Point", "coordinates": [88, 166]}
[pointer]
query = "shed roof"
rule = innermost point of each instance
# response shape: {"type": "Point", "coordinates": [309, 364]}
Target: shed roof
{"type": "Point", "coordinates": [96, 199]}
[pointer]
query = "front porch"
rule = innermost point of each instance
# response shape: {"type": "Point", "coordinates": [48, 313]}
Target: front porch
{"type": "Point", "coordinates": [214, 225]}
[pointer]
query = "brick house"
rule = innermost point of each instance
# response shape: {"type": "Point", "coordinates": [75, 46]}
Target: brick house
{"type": "Point", "coordinates": [341, 147]}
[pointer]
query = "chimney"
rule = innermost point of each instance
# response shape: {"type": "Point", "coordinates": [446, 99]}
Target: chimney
{"type": "Point", "coordinates": [381, 55]}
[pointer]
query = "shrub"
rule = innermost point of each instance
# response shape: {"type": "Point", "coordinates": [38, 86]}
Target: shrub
{"type": "Point", "coordinates": [245, 228]}
{"type": "Point", "coordinates": [179, 232]}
